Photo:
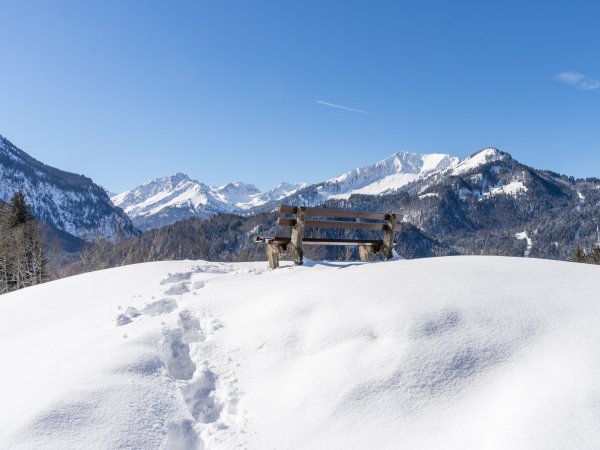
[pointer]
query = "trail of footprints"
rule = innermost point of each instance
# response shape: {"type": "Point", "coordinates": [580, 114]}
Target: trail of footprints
{"type": "Point", "coordinates": [212, 399]}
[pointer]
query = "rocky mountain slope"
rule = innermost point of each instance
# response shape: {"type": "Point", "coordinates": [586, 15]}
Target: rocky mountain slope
{"type": "Point", "coordinates": [492, 204]}
{"type": "Point", "coordinates": [67, 202]}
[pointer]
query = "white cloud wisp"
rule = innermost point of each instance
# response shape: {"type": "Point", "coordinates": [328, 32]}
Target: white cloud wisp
{"type": "Point", "coordinates": [578, 80]}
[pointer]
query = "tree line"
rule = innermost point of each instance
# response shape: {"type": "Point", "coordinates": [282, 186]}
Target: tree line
{"type": "Point", "coordinates": [581, 256]}
{"type": "Point", "coordinates": [22, 248]}
{"type": "Point", "coordinates": [28, 255]}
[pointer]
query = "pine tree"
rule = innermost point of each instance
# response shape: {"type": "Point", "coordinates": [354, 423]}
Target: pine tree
{"type": "Point", "coordinates": [579, 255]}
{"type": "Point", "coordinates": [22, 255]}
{"type": "Point", "coordinates": [594, 257]}
{"type": "Point", "coordinates": [20, 211]}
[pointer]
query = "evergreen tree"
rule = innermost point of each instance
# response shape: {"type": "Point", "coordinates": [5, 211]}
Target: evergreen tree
{"type": "Point", "coordinates": [595, 254]}
{"type": "Point", "coordinates": [579, 255]}
{"type": "Point", "coordinates": [22, 255]}
{"type": "Point", "coordinates": [20, 211]}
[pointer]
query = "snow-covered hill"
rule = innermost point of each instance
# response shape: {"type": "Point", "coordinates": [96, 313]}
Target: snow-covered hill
{"type": "Point", "coordinates": [66, 201]}
{"type": "Point", "coordinates": [166, 200]}
{"type": "Point", "coordinates": [455, 352]}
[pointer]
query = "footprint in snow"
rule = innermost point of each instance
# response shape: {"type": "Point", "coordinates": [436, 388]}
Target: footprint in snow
{"type": "Point", "coordinates": [177, 289]}
{"type": "Point", "coordinates": [122, 319]}
{"type": "Point", "coordinates": [198, 284]}
{"type": "Point", "coordinates": [176, 277]}
{"type": "Point", "coordinates": [163, 306]}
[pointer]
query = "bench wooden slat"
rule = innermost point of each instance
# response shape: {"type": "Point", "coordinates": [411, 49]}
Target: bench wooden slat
{"type": "Point", "coordinates": [319, 241]}
{"type": "Point", "coordinates": [334, 224]}
{"type": "Point", "coordinates": [325, 212]}
{"type": "Point", "coordinates": [286, 222]}
{"type": "Point", "coordinates": [345, 225]}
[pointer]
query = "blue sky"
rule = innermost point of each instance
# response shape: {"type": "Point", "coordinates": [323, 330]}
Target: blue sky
{"type": "Point", "coordinates": [126, 91]}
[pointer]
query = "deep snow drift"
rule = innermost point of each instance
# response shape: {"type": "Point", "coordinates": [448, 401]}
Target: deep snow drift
{"type": "Point", "coordinates": [457, 352]}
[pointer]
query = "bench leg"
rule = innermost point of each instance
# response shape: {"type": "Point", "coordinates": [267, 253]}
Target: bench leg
{"type": "Point", "coordinates": [298, 255]}
{"type": "Point", "coordinates": [388, 237]}
{"type": "Point", "coordinates": [273, 255]}
{"type": "Point", "coordinates": [296, 237]}
{"type": "Point", "coordinates": [363, 252]}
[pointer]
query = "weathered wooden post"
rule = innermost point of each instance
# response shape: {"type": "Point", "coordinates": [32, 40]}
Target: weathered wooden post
{"type": "Point", "coordinates": [273, 255]}
{"type": "Point", "coordinates": [363, 252]}
{"type": "Point", "coordinates": [388, 236]}
{"type": "Point", "coordinates": [296, 238]}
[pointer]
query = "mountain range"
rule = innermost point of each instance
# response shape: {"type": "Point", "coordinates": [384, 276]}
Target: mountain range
{"type": "Point", "coordinates": [488, 203]}
{"type": "Point", "coordinates": [166, 200]}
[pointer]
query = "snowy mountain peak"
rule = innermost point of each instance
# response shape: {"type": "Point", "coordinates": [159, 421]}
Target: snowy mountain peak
{"type": "Point", "coordinates": [283, 189]}
{"type": "Point", "coordinates": [236, 192]}
{"type": "Point", "coordinates": [178, 177]}
{"type": "Point", "coordinates": [479, 158]}
{"type": "Point", "coordinates": [171, 180]}
{"type": "Point", "coordinates": [165, 200]}
{"type": "Point", "coordinates": [237, 186]}
{"type": "Point", "coordinates": [418, 162]}
{"type": "Point", "coordinates": [388, 174]}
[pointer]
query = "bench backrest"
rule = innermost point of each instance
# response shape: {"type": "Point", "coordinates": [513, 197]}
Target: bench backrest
{"type": "Point", "coordinates": [368, 221]}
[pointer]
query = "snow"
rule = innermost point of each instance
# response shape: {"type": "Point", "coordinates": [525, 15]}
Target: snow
{"type": "Point", "coordinates": [454, 352]}
{"type": "Point", "coordinates": [483, 157]}
{"type": "Point", "coordinates": [387, 175]}
{"type": "Point", "coordinates": [163, 201]}
{"type": "Point", "coordinates": [512, 188]}
{"type": "Point", "coordinates": [280, 191]}
{"type": "Point", "coordinates": [524, 235]}
{"type": "Point", "coordinates": [382, 185]}
{"type": "Point", "coordinates": [236, 193]}
{"type": "Point", "coordinates": [581, 198]}
{"type": "Point", "coordinates": [173, 191]}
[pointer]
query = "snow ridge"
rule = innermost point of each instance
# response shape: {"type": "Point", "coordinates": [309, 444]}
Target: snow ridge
{"type": "Point", "coordinates": [387, 175]}
{"type": "Point", "coordinates": [478, 159]}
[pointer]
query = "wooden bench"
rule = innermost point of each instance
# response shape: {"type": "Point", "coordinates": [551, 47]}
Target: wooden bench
{"type": "Point", "coordinates": [303, 217]}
